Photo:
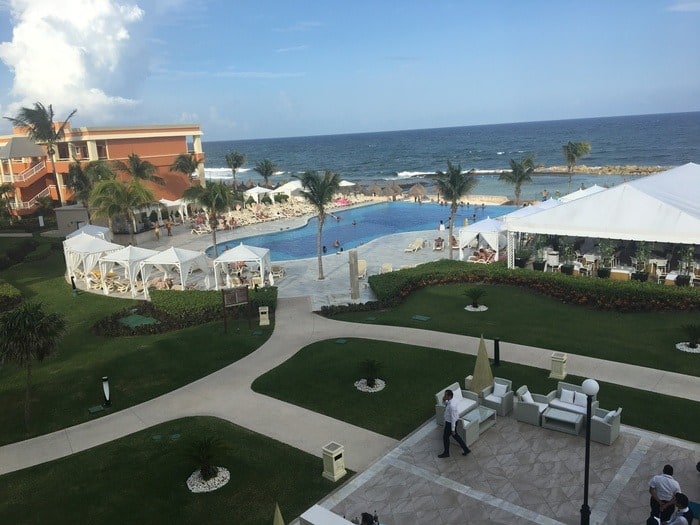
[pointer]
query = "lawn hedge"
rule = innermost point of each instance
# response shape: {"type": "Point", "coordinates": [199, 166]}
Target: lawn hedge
{"type": "Point", "coordinates": [180, 309]}
{"type": "Point", "coordinates": [16, 252]}
{"type": "Point", "coordinates": [605, 294]}
{"type": "Point", "coordinates": [9, 296]}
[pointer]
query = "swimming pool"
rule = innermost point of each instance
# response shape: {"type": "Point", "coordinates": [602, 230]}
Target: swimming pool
{"type": "Point", "coordinates": [370, 222]}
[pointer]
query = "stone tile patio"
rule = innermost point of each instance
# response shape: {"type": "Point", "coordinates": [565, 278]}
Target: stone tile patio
{"type": "Point", "coordinates": [516, 473]}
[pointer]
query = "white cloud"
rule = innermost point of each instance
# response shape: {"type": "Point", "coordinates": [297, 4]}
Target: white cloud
{"type": "Point", "coordinates": [293, 48]}
{"type": "Point", "coordinates": [71, 54]}
{"type": "Point", "coordinates": [685, 6]}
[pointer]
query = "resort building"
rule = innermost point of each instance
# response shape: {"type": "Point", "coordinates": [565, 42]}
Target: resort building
{"type": "Point", "coordinates": [27, 166]}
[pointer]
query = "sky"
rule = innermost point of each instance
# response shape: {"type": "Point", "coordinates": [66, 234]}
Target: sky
{"type": "Point", "coordinates": [264, 68]}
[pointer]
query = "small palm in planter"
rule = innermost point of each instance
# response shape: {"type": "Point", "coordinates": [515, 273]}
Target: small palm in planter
{"type": "Point", "coordinates": [692, 332]}
{"type": "Point", "coordinates": [370, 369]}
{"type": "Point", "coordinates": [204, 453]}
{"type": "Point", "coordinates": [475, 294]}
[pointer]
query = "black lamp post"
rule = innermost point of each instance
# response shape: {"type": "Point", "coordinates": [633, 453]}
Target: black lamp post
{"type": "Point", "coordinates": [590, 387]}
{"type": "Point", "coordinates": [105, 389]}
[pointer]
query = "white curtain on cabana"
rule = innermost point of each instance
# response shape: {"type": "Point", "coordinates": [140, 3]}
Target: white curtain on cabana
{"type": "Point", "coordinates": [242, 253]}
{"type": "Point", "coordinates": [129, 258]}
{"type": "Point", "coordinates": [490, 230]}
{"type": "Point", "coordinates": [177, 260]}
{"type": "Point", "coordinates": [83, 252]}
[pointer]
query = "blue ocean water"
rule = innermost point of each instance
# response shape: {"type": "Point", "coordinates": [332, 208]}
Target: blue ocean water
{"type": "Point", "coordinates": [410, 156]}
{"type": "Point", "coordinates": [370, 222]}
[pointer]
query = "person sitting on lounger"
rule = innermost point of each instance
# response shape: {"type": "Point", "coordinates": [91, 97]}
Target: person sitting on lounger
{"type": "Point", "coordinates": [439, 242]}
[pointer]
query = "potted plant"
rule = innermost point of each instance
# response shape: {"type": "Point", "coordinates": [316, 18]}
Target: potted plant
{"type": "Point", "coordinates": [642, 254]}
{"type": "Point", "coordinates": [687, 265]}
{"type": "Point", "coordinates": [539, 263]}
{"type": "Point", "coordinates": [607, 249]}
{"type": "Point", "coordinates": [522, 256]}
{"type": "Point", "coordinates": [567, 248]}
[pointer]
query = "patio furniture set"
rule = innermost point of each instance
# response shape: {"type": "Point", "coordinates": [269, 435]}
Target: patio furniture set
{"type": "Point", "coordinates": [563, 409]}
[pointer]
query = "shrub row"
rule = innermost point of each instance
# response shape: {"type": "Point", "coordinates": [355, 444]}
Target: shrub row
{"type": "Point", "coordinates": [17, 252]}
{"type": "Point", "coordinates": [180, 309]}
{"type": "Point", "coordinates": [41, 252]}
{"type": "Point", "coordinates": [9, 296]}
{"type": "Point", "coordinates": [604, 294]}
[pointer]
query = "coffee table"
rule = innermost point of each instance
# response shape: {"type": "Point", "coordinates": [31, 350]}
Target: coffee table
{"type": "Point", "coordinates": [563, 421]}
{"type": "Point", "coordinates": [486, 417]}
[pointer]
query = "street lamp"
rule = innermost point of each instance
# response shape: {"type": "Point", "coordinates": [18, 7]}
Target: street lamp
{"type": "Point", "coordinates": [105, 389]}
{"type": "Point", "coordinates": [590, 387]}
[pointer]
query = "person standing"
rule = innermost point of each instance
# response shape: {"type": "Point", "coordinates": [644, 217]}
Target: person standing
{"type": "Point", "coordinates": [169, 227]}
{"type": "Point", "coordinates": [663, 488]}
{"type": "Point", "coordinates": [156, 230]}
{"type": "Point", "coordinates": [682, 515]}
{"type": "Point", "coordinates": [451, 418]}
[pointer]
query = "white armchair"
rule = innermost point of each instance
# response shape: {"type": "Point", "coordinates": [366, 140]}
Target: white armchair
{"type": "Point", "coordinates": [499, 396]}
{"type": "Point", "coordinates": [605, 425]}
{"type": "Point", "coordinates": [528, 407]}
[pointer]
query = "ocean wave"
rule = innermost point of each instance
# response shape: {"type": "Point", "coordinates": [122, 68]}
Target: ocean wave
{"type": "Point", "coordinates": [500, 153]}
{"type": "Point", "coordinates": [411, 174]}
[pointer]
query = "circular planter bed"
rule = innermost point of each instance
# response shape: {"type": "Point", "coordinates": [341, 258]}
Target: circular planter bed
{"type": "Point", "coordinates": [480, 308]}
{"type": "Point", "coordinates": [197, 485]}
{"type": "Point", "coordinates": [361, 385]}
{"type": "Point", "coordinates": [684, 347]}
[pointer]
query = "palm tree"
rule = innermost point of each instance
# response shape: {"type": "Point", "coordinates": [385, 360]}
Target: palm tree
{"type": "Point", "coordinates": [266, 169]}
{"type": "Point", "coordinates": [82, 179]}
{"type": "Point", "coordinates": [520, 173]}
{"type": "Point", "coordinates": [42, 129]}
{"type": "Point", "coordinates": [7, 191]}
{"type": "Point", "coordinates": [319, 191]}
{"type": "Point", "coordinates": [235, 160]}
{"type": "Point", "coordinates": [572, 152]}
{"type": "Point", "coordinates": [453, 185]}
{"type": "Point", "coordinates": [214, 198]}
{"type": "Point", "coordinates": [113, 197]}
{"type": "Point", "coordinates": [27, 334]}
{"type": "Point", "coordinates": [186, 163]}
{"type": "Point", "coordinates": [138, 169]}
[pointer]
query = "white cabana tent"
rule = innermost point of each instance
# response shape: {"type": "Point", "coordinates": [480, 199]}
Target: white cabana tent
{"type": "Point", "coordinates": [178, 205]}
{"type": "Point", "coordinates": [245, 253]}
{"type": "Point", "coordinates": [529, 210]}
{"type": "Point", "coordinates": [256, 192]}
{"type": "Point", "coordinates": [179, 260]}
{"type": "Point", "coordinates": [659, 208]}
{"type": "Point", "coordinates": [492, 231]}
{"type": "Point", "coordinates": [83, 252]}
{"type": "Point", "coordinates": [291, 189]}
{"type": "Point", "coordinates": [101, 232]}
{"type": "Point", "coordinates": [129, 258]}
{"type": "Point", "coordinates": [574, 195]}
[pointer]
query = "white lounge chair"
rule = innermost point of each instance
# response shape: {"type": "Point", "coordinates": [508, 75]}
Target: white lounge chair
{"type": "Point", "coordinates": [386, 268]}
{"type": "Point", "coordinates": [361, 269]}
{"type": "Point", "coordinates": [414, 246]}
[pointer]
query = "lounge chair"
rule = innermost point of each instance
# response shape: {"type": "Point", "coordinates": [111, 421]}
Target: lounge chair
{"type": "Point", "coordinates": [414, 246]}
{"type": "Point", "coordinates": [386, 268]}
{"type": "Point", "coordinates": [439, 244]}
{"type": "Point", "coordinates": [361, 269]}
{"type": "Point", "coordinates": [277, 271]}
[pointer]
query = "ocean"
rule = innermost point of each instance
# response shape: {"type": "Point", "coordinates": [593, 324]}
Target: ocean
{"type": "Point", "coordinates": [413, 155]}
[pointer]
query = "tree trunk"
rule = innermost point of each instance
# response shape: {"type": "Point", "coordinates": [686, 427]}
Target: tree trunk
{"type": "Point", "coordinates": [27, 394]}
{"type": "Point", "coordinates": [131, 219]}
{"type": "Point", "coordinates": [52, 156]}
{"type": "Point", "coordinates": [453, 212]}
{"type": "Point", "coordinates": [319, 240]}
{"type": "Point", "coordinates": [212, 225]}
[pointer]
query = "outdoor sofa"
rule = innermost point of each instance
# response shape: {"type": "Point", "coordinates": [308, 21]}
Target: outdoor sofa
{"type": "Point", "coordinates": [466, 401]}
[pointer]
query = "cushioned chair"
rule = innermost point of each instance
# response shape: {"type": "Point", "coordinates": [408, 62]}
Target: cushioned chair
{"type": "Point", "coordinates": [528, 407]}
{"type": "Point", "coordinates": [605, 425]}
{"type": "Point", "coordinates": [464, 399]}
{"type": "Point", "coordinates": [499, 396]}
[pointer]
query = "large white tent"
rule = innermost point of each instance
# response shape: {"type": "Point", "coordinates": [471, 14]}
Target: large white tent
{"type": "Point", "coordinates": [529, 210]}
{"type": "Point", "coordinates": [92, 229]}
{"type": "Point", "coordinates": [574, 195]}
{"type": "Point", "coordinates": [291, 189]}
{"type": "Point", "coordinates": [179, 260]}
{"type": "Point", "coordinates": [659, 208]}
{"type": "Point", "coordinates": [256, 192]}
{"type": "Point", "coordinates": [490, 230]}
{"type": "Point", "coordinates": [243, 253]}
{"type": "Point", "coordinates": [129, 258]}
{"type": "Point", "coordinates": [83, 252]}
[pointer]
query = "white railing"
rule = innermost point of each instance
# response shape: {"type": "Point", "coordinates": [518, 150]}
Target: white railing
{"type": "Point", "coordinates": [26, 174]}
{"type": "Point", "coordinates": [34, 201]}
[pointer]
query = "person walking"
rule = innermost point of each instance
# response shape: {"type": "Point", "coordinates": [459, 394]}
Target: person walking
{"type": "Point", "coordinates": [663, 488]}
{"type": "Point", "coordinates": [156, 230]}
{"type": "Point", "coordinates": [169, 227]}
{"type": "Point", "coordinates": [451, 418]}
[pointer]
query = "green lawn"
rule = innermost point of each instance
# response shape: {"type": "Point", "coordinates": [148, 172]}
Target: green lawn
{"type": "Point", "coordinates": [140, 368]}
{"type": "Point", "coordinates": [521, 316]}
{"type": "Point", "coordinates": [139, 480]}
{"type": "Point", "coordinates": [416, 374]}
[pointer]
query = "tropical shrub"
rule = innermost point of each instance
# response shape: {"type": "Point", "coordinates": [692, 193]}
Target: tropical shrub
{"type": "Point", "coordinates": [692, 332]}
{"type": "Point", "coordinates": [9, 296]}
{"type": "Point", "coordinates": [475, 293]}
{"type": "Point", "coordinates": [370, 369]}
{"type": "Point", "coordinates": [205, 453]}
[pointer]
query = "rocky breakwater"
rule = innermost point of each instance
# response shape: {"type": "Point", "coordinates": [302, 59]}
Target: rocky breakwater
{"type": "Point", "coordinates": [607, 170]}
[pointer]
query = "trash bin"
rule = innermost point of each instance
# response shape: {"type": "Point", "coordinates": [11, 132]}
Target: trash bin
{"type": "Point", "coordinates": [333, 461]}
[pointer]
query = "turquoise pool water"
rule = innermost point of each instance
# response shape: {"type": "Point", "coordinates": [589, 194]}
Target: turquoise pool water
{"type": "Point", "coordinates": [370, 222]}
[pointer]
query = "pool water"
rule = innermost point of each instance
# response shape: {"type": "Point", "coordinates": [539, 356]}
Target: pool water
{"type": "Point", "coordinates": [370, 222]}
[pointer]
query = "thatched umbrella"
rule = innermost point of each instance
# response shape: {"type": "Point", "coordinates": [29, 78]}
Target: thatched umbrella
{"type": "Point", "coordinates": [398, 190]}
{"type": "Point", "coordinates": [374, 189]}
{"type": "Point", "coordinates": [417, 190]}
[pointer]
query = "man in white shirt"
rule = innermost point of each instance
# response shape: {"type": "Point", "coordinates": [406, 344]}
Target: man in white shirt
{"type": "Point", "coordinates": [683, 515]}
{"type": "Point", "coordinates": [451, 418]}
{"type": "Point", "coordinates": [663, 488]}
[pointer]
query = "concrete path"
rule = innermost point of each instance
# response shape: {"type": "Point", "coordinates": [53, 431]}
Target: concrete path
{"type": "Point", "coordinates": [227, 394]}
